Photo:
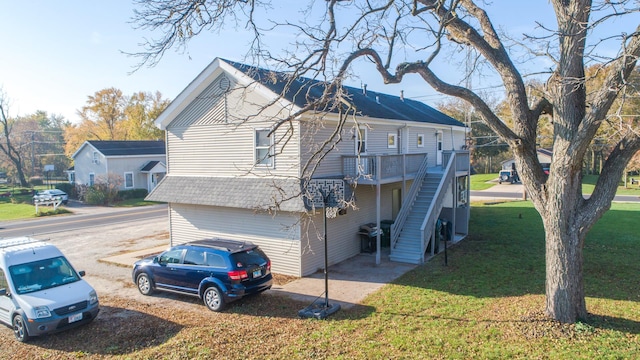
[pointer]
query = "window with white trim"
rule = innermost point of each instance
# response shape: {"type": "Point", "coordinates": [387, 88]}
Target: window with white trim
{"type": "Point", "coordinates": [360, 138]}
{"type": "Point", "coordinates": [92, 179]}
{"type": "Point", "coordinates": [96, 159]}
{"type": "Point", "coordinates": [392, 140]}
{"type": "Point", "coordinates": [264, 154]}
{"type": "Point", "coordinates": [128, 180]}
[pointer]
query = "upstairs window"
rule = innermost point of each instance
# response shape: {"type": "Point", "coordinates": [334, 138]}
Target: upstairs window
{"type": "Point", "coordinates": [263, 148]}
{"type": "Point", "coordinates": [360, 138]}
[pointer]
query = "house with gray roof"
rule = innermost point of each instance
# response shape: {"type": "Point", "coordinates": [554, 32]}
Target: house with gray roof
{"type": "Point", "coordinates": [136, 164]}
{"type": "Point", "coordinates": [253, 155]}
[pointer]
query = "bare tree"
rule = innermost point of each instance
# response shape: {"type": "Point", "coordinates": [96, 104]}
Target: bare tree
{"type": "Point", "coordinates": [7, 146]}
{"type": "Point", "coordinates": [335, 37]}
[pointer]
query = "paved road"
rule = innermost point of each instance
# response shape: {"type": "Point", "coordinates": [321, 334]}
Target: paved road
{"type": "Point", "coordinates": [83, 217]}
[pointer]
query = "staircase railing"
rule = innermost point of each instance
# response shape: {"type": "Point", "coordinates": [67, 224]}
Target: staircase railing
{"type": "Point", "coordinates": [432, 213]}
{"type": "Point", "coordinates": [398, 223]}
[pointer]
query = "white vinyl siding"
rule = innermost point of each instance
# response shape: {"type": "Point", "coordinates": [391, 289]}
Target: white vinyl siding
{"type": "Point", "coordinates": [343, 240]}
{"type": "Point", "coordinates": [227, 148]}
{"type": "Point", "coordinates": [224, 150]}
{"type": "Point", "coordinates": [121, 165]}
{"type": "Point", "coordinates": [278, 236]}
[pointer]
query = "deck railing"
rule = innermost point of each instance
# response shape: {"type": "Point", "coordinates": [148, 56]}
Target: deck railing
{"type": "Point", "coordinates": [365, 167]}
{"type": "Point", "coordinates": [462, 159]}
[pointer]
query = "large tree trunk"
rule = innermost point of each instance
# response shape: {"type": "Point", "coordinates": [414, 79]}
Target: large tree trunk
{"type": "Point", "coordinates": [564, 287]}
{"type": "Point", "coordinates": [21, 177]}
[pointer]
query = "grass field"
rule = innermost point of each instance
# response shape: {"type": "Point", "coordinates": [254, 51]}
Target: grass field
{"type": "Point", "coordinates": [487, 303]}
{"type": "Point", "coordinates": [20, 205]}
{"type": "Point", "coordinates": [485, 181]}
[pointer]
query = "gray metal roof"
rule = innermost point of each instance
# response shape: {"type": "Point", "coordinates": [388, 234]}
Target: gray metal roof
{"type": "Point", "coordinates": [368, 103]}
{"type": "Point", "coordinates": [125, 148]}
{"type": "Point", "coordinates": [149, 165]}
{"type": "Point", "coordinates": [237, 192]}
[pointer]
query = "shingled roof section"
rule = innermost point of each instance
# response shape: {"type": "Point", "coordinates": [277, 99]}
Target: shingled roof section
{"type": "Point", "coordinates": [129, 148]}
{"type": "Point", "coordinates": [368, 103]}
{"type": "Point", "coordinates": [239, 192]}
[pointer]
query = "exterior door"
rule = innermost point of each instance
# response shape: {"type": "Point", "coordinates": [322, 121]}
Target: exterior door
{"type": "Point", "coordinates": [167, 274]}
{"type": "Point", "coordinates": [361, 150]}
{"type": "Point", "coordinates": [396, 202]}
{"type": "Point", "coordinates": [439, 148]}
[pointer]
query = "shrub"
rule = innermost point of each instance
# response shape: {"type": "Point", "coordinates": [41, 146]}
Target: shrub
{"type": "Point", "coordinates": [132, 194]}
{"type": "Point", "coordinates": [95, 196]}
{"type": "Point", "coordinates": [69, 188]}
{"type": "Point", "coordinates": [36, 180]}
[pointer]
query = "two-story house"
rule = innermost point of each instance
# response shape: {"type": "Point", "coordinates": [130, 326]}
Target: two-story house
{"type": "Point", "coordinates": [139, 164]}
{"type": "Point", "coordinates": [232, 172]}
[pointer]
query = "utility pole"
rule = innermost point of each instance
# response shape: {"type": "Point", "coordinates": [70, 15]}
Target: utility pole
{"type": "Point", "coordinates": [33, 153]}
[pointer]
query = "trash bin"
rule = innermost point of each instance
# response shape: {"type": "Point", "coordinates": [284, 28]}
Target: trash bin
{"type": "Point", "coordinates": [438, 236]}
{"type": "Point", "coordinates": [385, 236]}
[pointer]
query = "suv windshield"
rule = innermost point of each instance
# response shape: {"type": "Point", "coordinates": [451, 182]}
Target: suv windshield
{"type": "Point", "coordinates": [42, 274]}
{"type": "Point", "coordinates": [251, 257]}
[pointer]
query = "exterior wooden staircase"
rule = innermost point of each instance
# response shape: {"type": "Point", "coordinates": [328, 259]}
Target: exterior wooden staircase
{"type": "Point", "coordinates": [415, 225]}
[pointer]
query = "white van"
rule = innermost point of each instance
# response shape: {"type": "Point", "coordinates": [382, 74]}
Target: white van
{"type": "Point", "coordinates": [40, 292]}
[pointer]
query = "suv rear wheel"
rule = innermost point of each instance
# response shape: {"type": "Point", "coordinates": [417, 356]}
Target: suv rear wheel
{"type": "Point", "coordinates": [19, 329]}
{"type": "Point", "coordinates": [145, 284]}
{"type": "Point", "coordinates": [213, 298]}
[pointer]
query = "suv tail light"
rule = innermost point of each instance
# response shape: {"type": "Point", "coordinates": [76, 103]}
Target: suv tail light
{"type": "Point", "coordinates": [238, 275]}
{"type": "Point", "coordinates": [269, 265]}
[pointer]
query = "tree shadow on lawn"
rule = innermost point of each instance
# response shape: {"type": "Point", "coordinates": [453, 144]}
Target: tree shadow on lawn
{"type": "Point", "coordinates": [504, 256]}
{"type": "Point", "coordinates": [116, 331]}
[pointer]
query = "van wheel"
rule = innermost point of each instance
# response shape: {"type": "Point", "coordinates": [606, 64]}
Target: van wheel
{"type": "Point", "coordinates": [145, 284]}
{"type": "Point", "coordinates": [20, 329]}
{"type": "Point", "coordinates": [213, 298]}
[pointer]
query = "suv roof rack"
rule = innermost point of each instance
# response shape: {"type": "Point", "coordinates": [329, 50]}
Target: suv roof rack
{"type": "Point", "coordinates": [223, 244]}
{"type": "Point", "coordinates": [23, 240]}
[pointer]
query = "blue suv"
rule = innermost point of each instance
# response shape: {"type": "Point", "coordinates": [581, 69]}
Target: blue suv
{"type": "Point", "coordinates": [217, 271]}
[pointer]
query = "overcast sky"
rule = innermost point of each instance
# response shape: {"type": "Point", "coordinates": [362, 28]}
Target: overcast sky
{"type": "Point", "coordinates": [54, 54]}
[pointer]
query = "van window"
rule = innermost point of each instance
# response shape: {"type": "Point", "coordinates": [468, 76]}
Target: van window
{"type": "Point", "coordinates": [42, 274]}
{"type": "Point", "coordinates": [3, 281]}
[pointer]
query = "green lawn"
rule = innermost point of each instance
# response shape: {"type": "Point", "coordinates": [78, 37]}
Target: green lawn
{"type": "Point", "coordinates": [487, 303]}
{"type": "Point", "coordinates": [484, 181]}
{"type": "Point", "coordinates": [19, 205]}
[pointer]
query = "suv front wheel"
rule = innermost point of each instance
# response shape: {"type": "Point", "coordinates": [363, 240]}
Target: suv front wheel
{"type": "Point", "coordinates": [213, 298]}
{"type": "Point", "coordinates": [145, 284]}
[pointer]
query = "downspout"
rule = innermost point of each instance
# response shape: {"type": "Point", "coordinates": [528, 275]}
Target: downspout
{"type": "Point", "coordinates": [404, 158]}
{"type": "Point", "coordinates": [378, 173]}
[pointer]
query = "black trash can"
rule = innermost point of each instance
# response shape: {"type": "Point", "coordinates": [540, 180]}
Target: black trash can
{"type": "Point", "coordinates": [385, 236]}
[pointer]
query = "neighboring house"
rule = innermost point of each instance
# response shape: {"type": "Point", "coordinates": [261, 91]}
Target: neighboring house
{"type": "Point", "coordinates": [544, 157]}
{"type": "Point", "coordinates": [230, 177]}
{"type": "Point", "coordinates": [140, 164]}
